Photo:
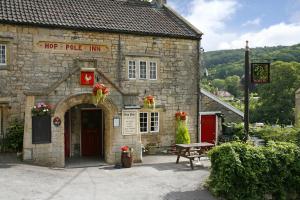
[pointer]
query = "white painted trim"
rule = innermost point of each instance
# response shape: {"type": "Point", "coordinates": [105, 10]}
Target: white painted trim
{"type": "Point", "coordinates": [5, 53]}
{"type": "Point", "coordinates": [144, 132]}
{"type": "Point", "coordinates": [155, 70]}
{"type": "Point", "coordinates": [134, 69]}
{"type": "Point", "coordinates": [210, 113]}
{"type": "Point", "coordinates": [140, 70]}
{"type": "Point", "coordinates": [157, 121]}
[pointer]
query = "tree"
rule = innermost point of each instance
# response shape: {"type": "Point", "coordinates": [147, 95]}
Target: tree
{"type": "Point", "coordinates": [233, 85]}
{"type": "Point", "coordinates": [277, 99]}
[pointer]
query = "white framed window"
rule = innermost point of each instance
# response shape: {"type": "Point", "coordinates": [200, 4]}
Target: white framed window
{"type": "Point", "coordinates": [149, 124]}
{"type": "Point", "coordinates": [143, 122]}
{"type": "Point", "coordinates": [131, 69]}
{"type": "Point", "coordinates": [3, 55]}
{"type": "Point", "coordinates": [154, 122]}
{"type": "Point", "coordinates": [153, 71]}
{"type": "Point", "coordinates": [143, 70]}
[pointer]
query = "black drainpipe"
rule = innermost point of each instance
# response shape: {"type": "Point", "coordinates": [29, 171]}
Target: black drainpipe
{"type": "Point", "coordinates": [198, 87]}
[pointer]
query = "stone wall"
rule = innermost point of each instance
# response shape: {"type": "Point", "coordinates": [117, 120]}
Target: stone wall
{"type": "Point", "coordinates": [52, 75]}
{"type": "Point", "coordinates": [209, 105]}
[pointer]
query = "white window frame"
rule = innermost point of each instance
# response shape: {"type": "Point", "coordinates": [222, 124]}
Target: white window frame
{"type": "Point", "coordinates": [147, 122]}
{"type": "Point", "coordinates": [129, 69]}
{"type": "Point", "coordinates": [150, 118]}
{"type": "Point", "coordinates": [5, 54]}
{"type": "Point", "coordinates": [140, 69]}
{"type": "Point", "coordinates": [151, 62]}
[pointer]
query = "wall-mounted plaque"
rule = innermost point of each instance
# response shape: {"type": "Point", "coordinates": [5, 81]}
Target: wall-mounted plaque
{"type": "Point", "coordinates": [129, 122]}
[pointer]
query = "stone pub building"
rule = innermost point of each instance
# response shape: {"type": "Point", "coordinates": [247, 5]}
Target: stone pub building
{"type": "Point", "coordinates": [53, 51]}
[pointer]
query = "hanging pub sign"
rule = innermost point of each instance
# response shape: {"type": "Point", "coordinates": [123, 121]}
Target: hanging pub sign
{"type": "Point", "coordinates": [260, 73]}
{"type": "Point", "coordinates": [87, 76]}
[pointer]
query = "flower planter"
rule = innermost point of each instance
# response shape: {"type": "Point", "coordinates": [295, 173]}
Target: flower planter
{"type": "Point", "coordinates": [126, 159]}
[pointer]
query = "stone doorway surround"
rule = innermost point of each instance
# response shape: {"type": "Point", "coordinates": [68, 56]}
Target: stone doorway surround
{"type": "Point", "coordinates": [52, 154]}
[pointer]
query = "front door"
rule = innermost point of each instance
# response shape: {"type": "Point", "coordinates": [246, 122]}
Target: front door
{"type": "Point", "coordinates": [91, 133]}
{"type": "Point", "coordinates": [208, 128]}
{"type": "Point", "coordinates": [67, 135]}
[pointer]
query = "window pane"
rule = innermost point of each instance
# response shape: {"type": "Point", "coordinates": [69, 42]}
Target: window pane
{"type": "Point", "coordinates": [131, 69]}
{"type": "Point", "coordinates": [143, 70]}
{"type": "Point", "coordinates": [154, 122]}
{"type": "Point", "coordinates": [153, 70]}
{"type": "Point", "coordinates": [2, 54]}
{"type": "Point", "coordinates": [143, 122]}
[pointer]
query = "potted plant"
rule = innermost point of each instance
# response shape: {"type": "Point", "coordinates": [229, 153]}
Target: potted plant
{"type": "Point", "coordinates": [126, 156]}
{"type": "Point", "coordinates": [182, 133]}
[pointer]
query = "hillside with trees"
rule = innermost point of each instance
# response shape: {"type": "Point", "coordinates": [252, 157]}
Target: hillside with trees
{"type": "Point", "coordinates": [270, 103]}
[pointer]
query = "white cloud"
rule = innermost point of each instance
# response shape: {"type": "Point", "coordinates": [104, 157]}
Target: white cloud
{"type": "Point", "coordinates": [254, 22]}
{"type": "Point", "coordinates": [212, 17]}
{"type": "Point", "coordinates": [278, 34]}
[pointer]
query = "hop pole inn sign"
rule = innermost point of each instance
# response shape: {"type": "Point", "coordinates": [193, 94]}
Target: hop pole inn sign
{"type": "Point", "coordinates": [71, 47]}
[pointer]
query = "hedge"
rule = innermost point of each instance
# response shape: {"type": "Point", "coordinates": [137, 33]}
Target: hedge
{"type": "Point", "coordinates": [241, 171]}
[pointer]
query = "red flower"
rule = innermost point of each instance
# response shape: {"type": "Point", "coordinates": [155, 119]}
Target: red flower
{"type": "Point", "coordinates": [124, 148]}
{"type": "Point", "coordinates": [180, 116]}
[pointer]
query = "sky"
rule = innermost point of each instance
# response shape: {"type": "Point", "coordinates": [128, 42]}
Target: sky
{"type": "Point", "coordinates": [227, 24]}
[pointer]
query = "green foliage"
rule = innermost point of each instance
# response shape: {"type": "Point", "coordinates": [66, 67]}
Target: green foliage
{"type": "Point", "coordinates": [277, 99]}
{"type": "Point", "coordinates": [14, 136]}
{"type": "Point", "coordinates": [277, 133]}
{"type": "Point", "coordinates": [182, 133]}
{"type": "Point", "coordinates": [241, 171]}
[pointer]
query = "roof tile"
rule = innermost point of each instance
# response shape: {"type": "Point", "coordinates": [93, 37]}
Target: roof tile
{"type": "Point", "coordinates": [100, 15]}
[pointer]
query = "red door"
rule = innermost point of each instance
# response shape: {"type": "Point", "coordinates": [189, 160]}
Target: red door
{"type": "Point", "coordinates": [91, 133]}
{"type": "Point", "coordinates": [67, 135]}
{"type": "Point", "coordinates": [208, 128]}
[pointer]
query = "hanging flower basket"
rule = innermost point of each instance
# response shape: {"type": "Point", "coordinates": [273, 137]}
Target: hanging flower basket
{"type": "Point", "coordinates": [149, 102]}
{"type": "Point", "coordinates": [41, 109]}
{"type": "Point", "coordinates": [181, 116]}
{"type": "Point", "coordinates": [100, 92]}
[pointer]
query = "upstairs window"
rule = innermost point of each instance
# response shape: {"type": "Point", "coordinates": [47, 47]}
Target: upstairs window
{"type": "Point", "coordinates": [143, 69]}
{"type": "Point", "coordinates": [131, 69]}
{"type": "Point", "coordinates": [153, 71]}
{"type": "Point", "coordinates": [3, 55]}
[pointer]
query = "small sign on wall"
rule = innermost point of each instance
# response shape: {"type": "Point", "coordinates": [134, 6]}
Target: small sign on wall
{"type": "Point", "coordinates": [129, 122]}
{"type": "Point", "coordinates": [87, 76]}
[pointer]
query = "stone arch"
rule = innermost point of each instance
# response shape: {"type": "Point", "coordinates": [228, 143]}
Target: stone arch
{"type": "Point", "coordinates": [109, 109]}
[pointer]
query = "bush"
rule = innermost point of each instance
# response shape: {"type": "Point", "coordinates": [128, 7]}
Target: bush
{"type": "Point", "coordinates": [14, 136]}
{"type": "Point", "coordinates": [182, 134]}
{"type": "Point", "coordinates": [277, 133]}
{"type": "Point", "coordinates": [242, 171]}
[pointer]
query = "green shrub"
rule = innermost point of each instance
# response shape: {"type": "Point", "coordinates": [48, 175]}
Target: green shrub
{"type": "Point", "coordinates": [14, 136]}
{"type": "Point", "coordinates": [182, 134]}
{"type": "Point", "coordinates": [242, 171]}
{"type": "Point", "coordinates": [277, 133]}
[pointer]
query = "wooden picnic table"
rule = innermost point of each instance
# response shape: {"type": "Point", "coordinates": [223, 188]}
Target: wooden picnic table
{"type": "Point", "coordinates": [192, 151]}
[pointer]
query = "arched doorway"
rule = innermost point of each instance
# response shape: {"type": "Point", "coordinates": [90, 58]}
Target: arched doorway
{"type": "Point", "coordinates": [84, 131]}
{"type": "Point", "coordinates": [83, 102]}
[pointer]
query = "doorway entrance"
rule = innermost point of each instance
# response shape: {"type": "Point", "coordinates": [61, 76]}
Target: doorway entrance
{"type": "Point", "coordinates": [92, 132]}
{"type": "Point", "coordinates": [209, 128]}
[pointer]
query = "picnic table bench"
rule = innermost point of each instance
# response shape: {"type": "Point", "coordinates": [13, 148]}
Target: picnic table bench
{"type": "Point", "coordinates": [192, 151]}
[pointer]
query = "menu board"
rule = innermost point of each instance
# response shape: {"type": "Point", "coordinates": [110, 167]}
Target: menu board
{"type": "Point", "coordinates": [129, 122]}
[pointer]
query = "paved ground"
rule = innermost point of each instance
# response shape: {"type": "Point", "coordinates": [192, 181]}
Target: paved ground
{"type": "Point", "coordinates": [158, 177]}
